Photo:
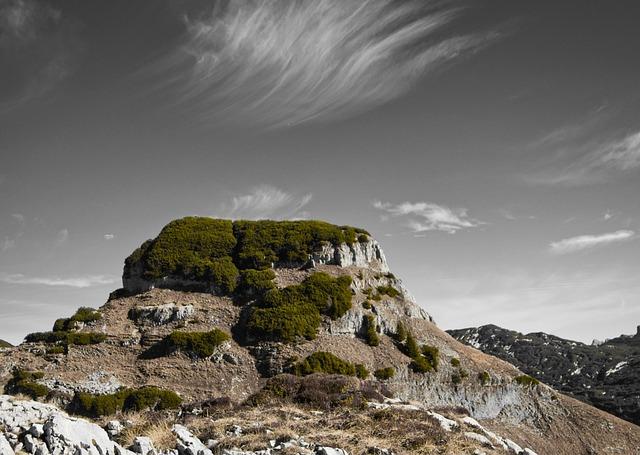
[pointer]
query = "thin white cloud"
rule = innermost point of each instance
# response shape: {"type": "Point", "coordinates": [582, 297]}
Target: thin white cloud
{"type": "Point", "coordinates": [422, 217]}
{"type": "Point", "coordinates": [584, 242]}
{"type": "Point", "coordinates": [582, 158]}
{"type": "Point", "coordinates": [267, 201]}
{"type": "Point", "coordinates": [283, 63]}
{"type": "Point", "coordinates": [607, 216]}
{"type": "Point", "coordinates": [7, 243]}
{"type": "Point", "coordinates": [109, 236]}
{"type": "Point", "coordinates": [74, 282]}
{"type": "Point", "coordinates": [19, 217]}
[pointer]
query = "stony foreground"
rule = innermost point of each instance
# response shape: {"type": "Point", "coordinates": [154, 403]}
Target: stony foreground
{"type": "Point", "coordinates": [42, 429]}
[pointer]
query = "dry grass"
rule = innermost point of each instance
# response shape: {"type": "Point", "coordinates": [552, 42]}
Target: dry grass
{"type": "Point", "coordinates": [155, 426]}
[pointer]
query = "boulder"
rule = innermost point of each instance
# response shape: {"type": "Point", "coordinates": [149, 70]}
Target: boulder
{"type": "Point", "coordinates": [5, 447]}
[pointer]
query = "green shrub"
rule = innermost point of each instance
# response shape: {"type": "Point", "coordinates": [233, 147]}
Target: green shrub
{"type": "Point", "coordinates": [432, 355]}
{"type": "Point", "coordinates": [388, 290]}
{"type": "Point", "coordinates": [385, 373]}
{"type": "Point", "coordinates": [198, 344]}
{"type": "Point", "coordinates": [363, 238]}
{"type": "Point", "coordinates": [84, 338]}
{"type": "Point", "coordinates": [424, 359]}
{"type": "Point", "coordinates": [455, 362]}
{"type": "Point", "coordinates": [361, 371]}
{"type": "Point", "coordinates": [294, 312]}
{"type": "Point", "coordinates": [484, 378]}
{"type": "Point", "coordinates": [401, 332]}
{"type": "Point", "coordinates": [24, 382]}
{"type": "Point", "coordinates": [185, 247]}
{"type": "Point", "coordinates": [324, 362]}
{"type": "Point", "coordinates": [526, 381]}
{"type": "Point", "coordinates": [286, 322]}
{"type": "Point", "coordinates": [262, 243]}
{"type": "Point", "coordinates": [255, 283]}
{"type": "Point", "coordinates": [221, 273]}
{"type": "Point", "coordinates": [66, 338]}
{"type": "Point", "coordinates": [57, 349]}
{"type": "Point", "coordinates": [366, 305]}
{"type": "Point", "coordinates": [148, 397]}
{"type": "Point", "coordinates": [371, 333]}
{"type": "Point", "coordinates": [332, 296]}
{"type": "Point", "coordinates": [459, 376]}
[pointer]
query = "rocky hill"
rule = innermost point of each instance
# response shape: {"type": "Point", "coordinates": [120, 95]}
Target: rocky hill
{"type": "Point", "coordinates": [602, 374]}
{"type": "Point", "coordinates": [276, 337]}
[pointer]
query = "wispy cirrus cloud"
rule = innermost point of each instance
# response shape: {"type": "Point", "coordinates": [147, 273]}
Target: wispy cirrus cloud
{"type": "Point", "coordinates": [421, 217]}
{"type": "Point", "coordinates": [267, 201]}
{"type": "Point", "coordinates": [85, 281]}
{"type": "Point", "coordinates": [585, 242]}
{"type": "Point", "coordinates": [37, 50]}
{"type": "Point", "coordinates": [281, 63]}
{"type": "Point", "coordinates": [584, 154]}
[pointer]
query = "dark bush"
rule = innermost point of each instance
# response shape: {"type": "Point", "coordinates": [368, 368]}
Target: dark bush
{"type": "Point", "coordinates": [324, 362]}
{"type": "Point", "coordinates": [385, 373]}
{"type": "Point", "coordinates": [319, 391]}
{"type": "Point", "coordinates": [197, 344]}
{"type": "Point", "coordinates": [484, 378]}
{"type": "Point", "coordinates": [84, 338]}
{"type": "Point", "coordinates": [526, 381]}
{"type": "Point", "coordinates": [366, 305]}
{"type": "Point", "coordinates": [388, 290]}
{"type": "Point", "coordinates": [371, 331]}
{"type": "Point", "coordinates": [401, 332]}
{"type": "Point", "coordinates": [455, 362]}
{"type": "Point", "coordinates": [24, 382]}
{"type": "Point", "coordinates": [262, 243]}
{"type": "Point", "coordinates": [294, 312]}
{"type": "Point", "coordinates": [363, 238]}
{"type": "Point", "coordinates": [332, 296]}
{"type": "Point", "coordinates": [221, 273]}
{"type": "Point", "coordinates": [432, 355]}
{"type": "Point", "coordinates": [148, 397]}
{"type": "Point", "coordinates": [361, 371]}
{"type": "Point", "coordinates": [185, 247]}
{"type": "Point", "coordinates": [66, 338]}
{"type": "Point", "coordinates": [255, 283]}
{"type": "Point", "coordinates": [285, 322]}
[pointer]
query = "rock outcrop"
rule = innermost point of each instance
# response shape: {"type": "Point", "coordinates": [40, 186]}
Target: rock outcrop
{"type": "Point", "coordinates": [156, 333]}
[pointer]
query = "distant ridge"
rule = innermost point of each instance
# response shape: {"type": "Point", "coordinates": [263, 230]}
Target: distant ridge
{"type": "Point", "coordinates": [603, 374]}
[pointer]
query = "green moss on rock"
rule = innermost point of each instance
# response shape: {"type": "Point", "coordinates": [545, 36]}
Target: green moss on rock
{"type": "Point", "coordinates": [197, 344]}
{"type": "Point", "coordinates": [325, 362]}
{"type": "Point", "coordinates": [141, 399]}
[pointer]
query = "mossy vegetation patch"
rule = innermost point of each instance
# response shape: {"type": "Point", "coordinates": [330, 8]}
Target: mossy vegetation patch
{"type": "Point", "coordinates": [385, 373]}
{"type": "Point", "coordinates": [25, 382]}
{"type": "Point", "coordinates": [526, 381]}
{"type": "Point", "coordinates": [144, 398]}
{"type": "Point", "coordinates": [196, 344]}
{"type": "Point", "coordinates": [324, 362]}
{"type": "Point", "coordinates": [423, 359]}
{"type": "Point", "coordinates": [295, 312]}
{"type": "Point", "coordinates": [216, 252]}
{"type": "Point", "coordinates": [371, 331]}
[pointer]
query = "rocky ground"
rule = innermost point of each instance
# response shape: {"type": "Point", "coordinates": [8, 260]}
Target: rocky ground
{"type": "Point", "coordinates": [603, 374]}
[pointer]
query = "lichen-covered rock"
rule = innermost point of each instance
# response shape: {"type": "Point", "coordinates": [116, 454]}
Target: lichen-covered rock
{"type": "Point", "coordinates": [359, 254]}
{"type": "Point", "coordinates": [161, 314]}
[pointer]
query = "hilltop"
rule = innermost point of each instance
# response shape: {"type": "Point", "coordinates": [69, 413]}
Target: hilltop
{"type": "Point", "coordinates": [297, 332]}
{"type": "Point", "coordinates": [601, 374]}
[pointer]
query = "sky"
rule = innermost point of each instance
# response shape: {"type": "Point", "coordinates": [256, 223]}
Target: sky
{"type": "Point", "coordinates": [491, 146]}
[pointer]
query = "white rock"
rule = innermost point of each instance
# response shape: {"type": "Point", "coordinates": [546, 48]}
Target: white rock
{"type": "Point", "coordinates": [114, 427]}
{"type": "Point", "coordinates": [515, 448]}
{"type": "Point", "coordinates": [36, 430]}
{"type": "Point", "coordinates": [143, 445]}
{"type": "Point", "coordinates": [529, 452]}
{"type": "Point", "coordinates": [446, 424]}
{"type": "Point", "coordinates": [188, 444]}
{"type": "Point", "coordinates": [330, 451]}
{"type": "Point", "coordinates": [5, 447]}
{"type": "Point", "coordinates": [478, 437]}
